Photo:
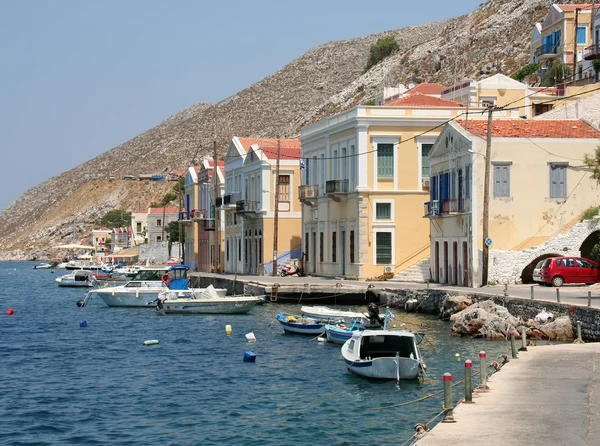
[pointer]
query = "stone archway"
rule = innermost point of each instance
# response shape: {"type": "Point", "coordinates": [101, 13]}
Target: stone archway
{"type": "Point", "coordinates": [588, 244]}
{"type": "Point", "coordinates": [526, 274]}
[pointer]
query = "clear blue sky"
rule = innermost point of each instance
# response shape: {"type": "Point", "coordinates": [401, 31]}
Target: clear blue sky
{"type": "Point", "coordinates": [79, 77]}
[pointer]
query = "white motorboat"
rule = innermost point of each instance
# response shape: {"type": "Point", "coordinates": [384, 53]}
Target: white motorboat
{"type": "Point", "coordinates": [370, 319]}
{"type": "Point", "coordinates": [79, 278]}
{"type": "Point", "coordinates": [45, 265]}
{"type": "Point", "coordinates": [383, 354]}
{"type": "Point", "coordinates": [84, 264]}
{"type": "Point", "coordinates": [209, 300]}
{"type": "Point", "coordinates": [144, 288]}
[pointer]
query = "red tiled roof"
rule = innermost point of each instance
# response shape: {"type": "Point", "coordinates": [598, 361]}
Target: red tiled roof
{"type": "Point", "coordinates": [427, 88]}
{"type": "Point", "coordinates": [532, 128]}
{"type": "Point", "coordinates": [289, 148]}
{"type": "Point", "coordinates": [422, 100]}
{"type": "Point", "coordinates": [166, 210]}
{"type": "Point", "coordinates": [582, 6]}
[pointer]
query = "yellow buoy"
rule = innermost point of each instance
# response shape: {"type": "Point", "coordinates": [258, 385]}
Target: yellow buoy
{"type": "Point", "coordinates": [228, 330]}
{"type": "Point", "coordinates": [457, 356]}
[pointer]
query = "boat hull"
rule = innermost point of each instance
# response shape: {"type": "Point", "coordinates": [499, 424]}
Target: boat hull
{"type": "Point", "coordinates": [138, 297]}
{"type": "Point", "coordinates": [221, 305]}
{"type": "Point", "coordinates": [70, 284]}
{"type": "Point", "coordinates": [337, 335]}
{"type": "Point", "coordinates": [384, 368]}
{"type": "Point", "coordinates": [302, 326]}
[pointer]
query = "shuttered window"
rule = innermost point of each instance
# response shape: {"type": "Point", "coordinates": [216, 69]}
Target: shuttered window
{"type": "Point", "coordinates": [501, 180]}
{"type": "Point", "coordinates": [351, 246]}
{"type": "Point", "coordinates": [383, 211]}
{"type": "Point", "coordinates": [425, 164]}
{"type": "Point", "coordinates": [334, 247]}
{"type": "Point", "coordinates": [558, 181]}
{"type": "Point", "coordinates": [385, 160]}
{"type": "Point", "coordinates": [383, 247]}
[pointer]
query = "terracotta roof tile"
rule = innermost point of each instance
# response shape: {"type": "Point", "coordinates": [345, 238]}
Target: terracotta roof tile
{"type": "Point", "coordinates": [422, 100]}
{"type": "Point", "coordinates": [529, 128]}
{"type": "Point", "coordinates": [427, 88]}
{"type": "Point", "coordinates": [289, 148]}
{"type": "Point", "coordinates": [582, 6]}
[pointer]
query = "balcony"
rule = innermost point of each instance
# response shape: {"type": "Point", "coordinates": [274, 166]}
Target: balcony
{"type": "Point", "coordinates": [246, 208]}
{"type": "Point", "coordinates": [450, 206]}
{"type": "Point", "coordinates": [591, 52]}
{"type": "Point", "coordinates": [198, 214]}
{"type": "Point", "coordinates": [230, 199]}
{"type": "Point", "coordinates": [308, 194]}
{"type": "Point", "coordinates": [336, 189]}
{"type": "Point", "coordinates": [548, 51]}
{"type": "Point", "coordinates": [209, 224]}
{"type": "Point", "coordinates": [185, 217]}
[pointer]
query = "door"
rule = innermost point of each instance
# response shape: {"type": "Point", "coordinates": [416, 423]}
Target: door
{"type": "Point", "coordinates": [343, 253]}
{"type": "Point", "coordinates": [455, 263]}
{"type": "Point", "coordinates": [436, 266]}
{"type": "Point", "coordinates": [585, 271]}
{"type": "Point", "coordinates": [465, 265]}
{"type": "Point", "coordinates": [445, 274]}
{"type": "Point", "coordinates": [314, 253]}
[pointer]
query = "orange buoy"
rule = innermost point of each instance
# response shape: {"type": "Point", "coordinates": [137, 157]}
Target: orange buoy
{"type": "Point", "coordinates": [10, 312]}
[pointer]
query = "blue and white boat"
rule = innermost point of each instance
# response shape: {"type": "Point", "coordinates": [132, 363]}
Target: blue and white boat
{"type": "Point", "coordinates": [293, 323]}
{"type": "Point", "coordinates": [384, 354]}
{"type": "Point", "coordinates": [340, 333]}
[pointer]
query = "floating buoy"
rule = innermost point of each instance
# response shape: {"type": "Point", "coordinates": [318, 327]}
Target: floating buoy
{"type": "Point", "coordinates": [457, 356]}
{"type": "Point", "coordinates": [249, 357]}
{"type": "Point", "coordinates": [80, 303]}
{"type": "Point", "coordinates": [151, 342]}
{"type": "Point", "coordinates": [250, 337]}
{"type": "Point", "coordinates": [10, 312]}
{"type": "Point", "coordinates": [83, 324]}
{"type": "Point", "coordinates": [321, 339]}
{"type": "Point", "coordinates": [228, 330]}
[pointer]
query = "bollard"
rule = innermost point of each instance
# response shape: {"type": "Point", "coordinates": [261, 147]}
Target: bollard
{"type": "Point", "coordinates": [557, 295]}
{"type": "Point", "coordinates": [532, 292]}
{"type": "Point", "coordinates": [589, 298]}
{"type": "Point", "coordinates": [578, 340]}
{"type": "Point", "coordinates": [523, 339]}
{"type": "Point", "coordinates": [506, 290]}
{"type": "Point", "coordinates": [483, 372]}
{"type": "Point", "coordinates": [468, 381]}
{"type": "Point", "coordinates": [449, 414]}
{"type": "Point", "coordinates": [513, 347]}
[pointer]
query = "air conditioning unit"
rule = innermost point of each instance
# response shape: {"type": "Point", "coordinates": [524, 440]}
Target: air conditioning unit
{"type": "Point", "coordinates": [425, 182]}
{"type": "Point", "coordinates": [388, 269]}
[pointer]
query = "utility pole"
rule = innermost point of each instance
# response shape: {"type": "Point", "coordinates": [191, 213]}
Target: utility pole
{"type": "Point", "coordinates": [276, 211]}
{"type": "Point", "coordinates": [181, 256]}
{"type": "Point", "coordinates": [575, 44]}
{"type": "Point", "coordinates": [216, 177]}
{"type": "Point", "coordinates": [486, 198]}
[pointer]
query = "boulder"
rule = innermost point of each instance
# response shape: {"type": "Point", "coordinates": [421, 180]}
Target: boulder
{"type": "Point", "coordinates": [454, 304]}
{"type": "Point", "coordinates": [484, 320]}
{"type": "Point", "coordinates": [559, 329]}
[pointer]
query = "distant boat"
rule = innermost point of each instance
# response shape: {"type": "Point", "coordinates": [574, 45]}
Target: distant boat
{"type": "Point", "coordinates": [204, 301]}
{"type": "Point", "coordinates": [44, 265]}
{"type": "Point", "coordinates": [79, 278]}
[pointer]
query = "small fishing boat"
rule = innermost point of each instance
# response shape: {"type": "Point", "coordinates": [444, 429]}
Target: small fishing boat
{"type": "Point", "coordinates": [340, 333]}
{"type": "Point", "coordinates": [370, 319]}
{"type": "Point", "coordinates": [293, 323]}
{"type": "Point", "coordinates": [79, 278]}
{"type": "Point", "coordinates": [384, 354]}
{"type": "Point", "coordinates": [204, 301]}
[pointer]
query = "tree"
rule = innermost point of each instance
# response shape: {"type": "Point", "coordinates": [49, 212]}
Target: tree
{"type": "Point", "coordinates": [527, 70]}
{"type": "Point", "coordinates": [116, 218]}
{"type": "Point", "coordinates": [593, 162]}
{"type": "Point", "coordinates": [172, 231]}
{"type": "Point", "coordinates": [556, 74]}
{"type": "Point", "coordinates": [384, 47]}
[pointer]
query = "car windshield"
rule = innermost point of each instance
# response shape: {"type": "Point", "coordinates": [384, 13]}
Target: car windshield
{"type": "Point", "coordinates": [539, 264]}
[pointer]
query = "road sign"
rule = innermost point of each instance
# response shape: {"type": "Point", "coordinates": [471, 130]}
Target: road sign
{"type": "Point", "coordinates": [488, 241]}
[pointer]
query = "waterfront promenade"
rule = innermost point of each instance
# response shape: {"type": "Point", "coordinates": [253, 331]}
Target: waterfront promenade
{"type": "Point", "coordinates": [549, 396]}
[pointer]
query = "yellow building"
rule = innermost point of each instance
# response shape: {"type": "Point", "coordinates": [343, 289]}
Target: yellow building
{"type": "Point", "coordinates": [366, 178]}
{"type": "Point", "coordinates": [562, 37]}
{"type": "Point", "coordinates": [189, 227]}
{"type": "Point", "coordinates": [249, 203]}
{"type": "Point", "coordinates": [538, 187]}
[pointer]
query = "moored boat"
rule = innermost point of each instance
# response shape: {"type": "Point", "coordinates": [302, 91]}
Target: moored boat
{"type": "Point", "coordinates": [340, 333]}
{"type": "Point", "coordinates": [79, 278]}
{"type": "Point", "coordinates": [293, 323]}
{"type": "Point", "coordinates": [204, 301]}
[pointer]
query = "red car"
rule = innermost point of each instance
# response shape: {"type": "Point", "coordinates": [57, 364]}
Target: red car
{"type": "Point", "coordinates": [558, 270]}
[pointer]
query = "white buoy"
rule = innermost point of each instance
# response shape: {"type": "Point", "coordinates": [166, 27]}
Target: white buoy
{"type": "Point", "coordinates": [250, 337]}
{"type": "Point", "coordinates": [321, 339]}
{"type": "Point", "coordinates": [151, 342]}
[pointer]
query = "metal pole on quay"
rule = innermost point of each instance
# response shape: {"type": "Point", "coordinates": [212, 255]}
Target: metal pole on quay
{"type": "Point", "coordinates": [468, 381]}
{"type": "Point", "coordinates": [449, 410]}
{"type": "Point", "coordinates": [483, 387]}
{"type": "Point", "coordinates": [513, 347]}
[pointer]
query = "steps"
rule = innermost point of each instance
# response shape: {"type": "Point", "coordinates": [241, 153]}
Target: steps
{"type": "Point", "coordinates": [418, 273]}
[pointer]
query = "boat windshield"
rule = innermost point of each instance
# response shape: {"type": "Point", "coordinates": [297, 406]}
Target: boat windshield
{"type": "Point", "coordinates": [155, 275]}
{"type": "Point", "coordinates": [387, 346]}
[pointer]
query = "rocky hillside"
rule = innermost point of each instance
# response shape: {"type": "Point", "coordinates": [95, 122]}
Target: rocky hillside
{"type": "Point", "coordinates": [326, 79]}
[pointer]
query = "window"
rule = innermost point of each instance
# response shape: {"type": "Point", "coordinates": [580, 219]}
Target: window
{"type": "Point", "coordinates": [383, 211]}
{"type": "Point", "coordinates": [334, 165]}
{"type": "Point", "coordinates": [306, 244]}
{"type": "Point", "coordinates": [581, 35]}
{"type": "Point", "coordinates": [314, 170]}
{"type": "Point", "coordinates": [352, 167]}
{"type": "Point", "coordinates": [334, 246]}
{"type": "Point", "coordinates": [227, 250]}
{"type": "Point", "coordinates": [159, 222]}
{"type": "Point", "coordinates": [138, 227]}
{"type": "Point", "coordinates": [240, 250]}
{"type": "Point", "coordinates": [321, 246]}
{"type": "Point", "coordinates": [501, 180]}
{"type": "Point", "coordinates": [385, 160]}
{"type": "Point", "coordinates": [468, 182]}
{"type": "Point", "coordinates": [383, 248]}
{"type": "Point", "coordinates": [322, 169]}
{"type": "Point", "coordinates": [558, 181]}
{"type": "Point", "coordinates": [343, 165]}
{"type": "Point", "coordinates": [351, 246]}
{"type": "Point", "coordinates": [284, 188]}
{"type": "Point", "coordinates": [488, 101]}
{"type": "Point", "coordinates": [425, 165]}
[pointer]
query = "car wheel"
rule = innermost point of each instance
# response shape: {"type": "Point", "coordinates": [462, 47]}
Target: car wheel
{"type": "Point", "coordinates": [557, 281]}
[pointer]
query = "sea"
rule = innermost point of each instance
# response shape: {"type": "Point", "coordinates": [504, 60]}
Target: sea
{"type": "Point", "coordinates": [74, 375]}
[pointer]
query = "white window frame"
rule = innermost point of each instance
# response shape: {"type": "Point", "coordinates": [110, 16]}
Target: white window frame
{"type": "Point", "coordinates": [384, 228]}
{"type": "Point", "coordinates": [387, 139]}
{"type": "Point", "coordinates": [391, 203]}
{"type": "Point", "coordinates": [420, 141]}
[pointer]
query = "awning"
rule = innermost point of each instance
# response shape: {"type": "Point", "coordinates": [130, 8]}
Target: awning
{"type": "Point", "coordinates": [124, 253]}
{"type": "Point", "coordinates": [73, 246]}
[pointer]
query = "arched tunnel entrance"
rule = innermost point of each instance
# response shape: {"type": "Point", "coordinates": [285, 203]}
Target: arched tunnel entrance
{"type": "Point", "coordinates": [527, 273]}
{"type": "Point", "coordinates": [588, 244]}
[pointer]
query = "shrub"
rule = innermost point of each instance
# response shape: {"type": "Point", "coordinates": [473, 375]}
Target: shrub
{"type": "Point", "coordinates": [384, 47]}
{"type": "Point", "coordinates": [590, 213]}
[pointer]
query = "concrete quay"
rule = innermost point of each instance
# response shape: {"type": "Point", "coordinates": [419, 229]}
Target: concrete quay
{"type": "Point", "coordinates": [548, 396]}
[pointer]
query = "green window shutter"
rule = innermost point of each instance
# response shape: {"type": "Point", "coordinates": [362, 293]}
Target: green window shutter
{"type": "Point", "coordinates": [383, 211]}
{"type": "Point", "coordinates": [383, 246]}
{"type": "Point", "coordinates": [385, 160]}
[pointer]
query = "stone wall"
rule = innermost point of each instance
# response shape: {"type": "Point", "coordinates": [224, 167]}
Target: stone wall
{"type": "Point", "coordinates": [506, 266]}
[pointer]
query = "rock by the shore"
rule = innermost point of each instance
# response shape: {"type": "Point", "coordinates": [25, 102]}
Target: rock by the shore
{"type": "Point", "coordinates": [484, 320]}
{"type": "Point", "coordinates": [453, 305]}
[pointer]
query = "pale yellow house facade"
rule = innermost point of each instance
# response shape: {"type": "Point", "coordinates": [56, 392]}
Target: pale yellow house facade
{"type": "Point", "coordinates": [249, 204]}
{"type": "Point", "coordinates": [538, 187]}
{"type": "Point", "coordinates": [366, 178]}
{"type": "Point", "coordinates": [188, 225]}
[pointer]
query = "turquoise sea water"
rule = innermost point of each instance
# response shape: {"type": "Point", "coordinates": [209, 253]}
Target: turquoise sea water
{"type": "Point", "coordinates": [66, 384]}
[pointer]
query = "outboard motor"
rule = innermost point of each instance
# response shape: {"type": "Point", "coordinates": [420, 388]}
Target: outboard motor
{"type": "Point", "coordinates": [373, 314]}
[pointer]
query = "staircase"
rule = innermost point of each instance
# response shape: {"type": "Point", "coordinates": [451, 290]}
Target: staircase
{"type": "Point", "coordinates": [418, 273]}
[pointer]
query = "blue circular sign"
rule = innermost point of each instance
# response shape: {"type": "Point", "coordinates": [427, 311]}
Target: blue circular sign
{"type": "Point", "coordinates": [488, 241]}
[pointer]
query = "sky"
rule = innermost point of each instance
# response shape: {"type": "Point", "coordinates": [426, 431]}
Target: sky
{"type": "Point", "coordinates": [79, 77]}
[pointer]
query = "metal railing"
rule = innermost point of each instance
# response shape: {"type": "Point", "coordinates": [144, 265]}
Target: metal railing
{"type": "Point", "coordinates": [336, 187]}
{"type": "Point", "coordinates": [308, 191]}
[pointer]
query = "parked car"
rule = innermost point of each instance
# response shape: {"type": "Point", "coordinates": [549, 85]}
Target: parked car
{"type": "Point", "coordinates": [558, 270]}
{"type": "Point", "coordinates": [537, 278]}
